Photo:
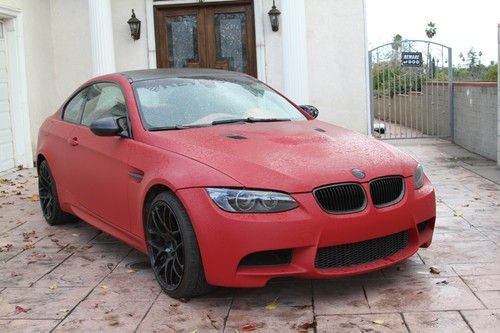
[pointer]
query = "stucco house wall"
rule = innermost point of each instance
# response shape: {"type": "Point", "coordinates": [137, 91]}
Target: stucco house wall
{"type": "Point", "coordinates": [58, 53]}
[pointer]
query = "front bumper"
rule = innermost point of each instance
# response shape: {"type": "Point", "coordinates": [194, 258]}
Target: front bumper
{"type": "Point", "coordinates": [226, 238]}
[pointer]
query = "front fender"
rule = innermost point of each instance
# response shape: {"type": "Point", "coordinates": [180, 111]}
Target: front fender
{"type": "Point", "coordinates": [171, 170]}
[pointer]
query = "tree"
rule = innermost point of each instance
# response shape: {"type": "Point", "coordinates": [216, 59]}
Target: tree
{"type": "Point", "coordinates": [397, 42]}
{"type": "Point", "coordinates": [491, 72]}
{"type": "Point", "coordinates": [430, 31]}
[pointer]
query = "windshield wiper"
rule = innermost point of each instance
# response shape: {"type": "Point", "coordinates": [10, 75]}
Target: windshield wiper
{"type": "Point", "coordinates": [248, 120]}
{"type": "Point", "coordinates": [176, 127]}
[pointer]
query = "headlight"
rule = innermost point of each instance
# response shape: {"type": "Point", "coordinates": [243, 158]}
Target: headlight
{"type": "Point", "coordinates": [418, 177]}
{"type": "Point", "coordinates": [246, 201]}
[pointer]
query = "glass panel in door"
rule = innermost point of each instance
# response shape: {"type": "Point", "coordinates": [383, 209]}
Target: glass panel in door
{"type": "Point", "coordinates": [182, 41]}
{"type": "Point", "coordinates": [231, 41]}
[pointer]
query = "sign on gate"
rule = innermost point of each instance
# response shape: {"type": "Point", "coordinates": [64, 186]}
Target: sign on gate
{"type": "Point", "coordinates": [411, 59]}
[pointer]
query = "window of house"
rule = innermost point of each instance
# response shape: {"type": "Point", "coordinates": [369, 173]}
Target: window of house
{"type": "Point", "coordinates": [103, 100]}
{"type": "Point", "coordinates": [73, 110]}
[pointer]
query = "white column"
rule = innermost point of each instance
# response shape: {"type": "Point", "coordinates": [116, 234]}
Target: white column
{"type": "Point", "coordinates": [295, 73]}
{"type": "Point", "coordinates": [101, 37]}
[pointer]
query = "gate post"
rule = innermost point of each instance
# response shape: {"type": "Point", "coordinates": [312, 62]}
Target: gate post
{"type": "Point", "coordinates": [451, 103]}
{"type": "Point", "coordinates": [371, 114]}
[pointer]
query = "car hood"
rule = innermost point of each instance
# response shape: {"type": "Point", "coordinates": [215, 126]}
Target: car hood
{"type": "Point", "coordinates": [293, 156]}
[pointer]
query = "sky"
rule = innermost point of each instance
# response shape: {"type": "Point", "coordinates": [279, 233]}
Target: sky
{"type": "Point", "coordinates": [460, 24]}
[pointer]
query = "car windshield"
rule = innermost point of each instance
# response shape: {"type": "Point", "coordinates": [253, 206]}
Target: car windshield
{"type": "Point", "coordinates": [176, 103]}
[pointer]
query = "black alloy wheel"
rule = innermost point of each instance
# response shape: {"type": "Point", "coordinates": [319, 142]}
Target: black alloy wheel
{"type": "Point", "coordinates": [173, 249]}
{"type": "Point", "coordinates": [166, 246]}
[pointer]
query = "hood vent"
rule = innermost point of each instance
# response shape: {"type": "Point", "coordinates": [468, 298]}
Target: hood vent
{"type": "Point", "coordinates": [235, 136]}
{"type": "Point", "coordinates": [320, 130]}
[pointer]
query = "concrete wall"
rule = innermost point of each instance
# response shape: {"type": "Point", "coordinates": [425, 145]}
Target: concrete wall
{"type": "Point", "coordinates": [498, 103]}
{"type": "Point", "coordinates": [476, 117]}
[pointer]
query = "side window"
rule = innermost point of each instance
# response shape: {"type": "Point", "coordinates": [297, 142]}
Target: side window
{"type": "Point", "coordinates": [103, 100]}
{"type": "Point", "coordinates": [73, 110]}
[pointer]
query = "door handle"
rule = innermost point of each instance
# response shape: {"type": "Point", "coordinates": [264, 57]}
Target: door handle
{"type": "Point", "coordinates": [73, 141]}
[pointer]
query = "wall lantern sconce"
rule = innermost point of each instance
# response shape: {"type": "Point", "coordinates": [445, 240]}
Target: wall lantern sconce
{"type": "Point", "coordinates": [135, 26]}
{"type": "Point", "coordinates": [274, 13]}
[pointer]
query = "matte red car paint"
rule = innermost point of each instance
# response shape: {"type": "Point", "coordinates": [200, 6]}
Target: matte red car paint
{"type": "Point", "coordinates": [93, 183]}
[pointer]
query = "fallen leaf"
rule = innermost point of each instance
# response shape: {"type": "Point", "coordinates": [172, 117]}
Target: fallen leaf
{"type": "Point", "coordinates": [272, 306]}
{"type": "Point", "coordinates": [193, 331]}
{"type": "Point", "coordinates": [20, 309]}
{"type": "Point", "coordinates": [53, 287]}
{"type": "Point", "coordinates": [434, 270]}
{"type": "Point", "coordinates": [20, 167]}
{"type": "Point", "coordinates": [114, 323]}
{"type": "Point", "coordinates": [379, 322]}
{"type": "Point", "coordinates": [444, 282]}
{"type": "Point", "coordinates": [130, 270]}
{"type": "Point", "coordinates": [248, 328]}
{"type": "Point", "coordinates": [14, 274]}
{"type": "Point", "coordinates": [458, 213]}
{"type": "Point", "coordinates": [3, 181]}
{"type": "Point", "coordinates": [28, 246]}
{"type": "Point", "coordinates": [38, 255]}
{"type": "Point", "coordinates": [110, 266]}
{"type": "Point", "coordinates": [308, 325]}
{"type": "Point", "coordinates": [35, 197]}
{"type": "Point", "coordinates": [5, 248]}
{"type": "Point", "coordinates": [103, 286]}
{"type": "Point", "coordinates": [75, 235]}
{"type": "Point", "coordinates": [27, 235]}
{"type": "Point", "coordinates": [64, 310]}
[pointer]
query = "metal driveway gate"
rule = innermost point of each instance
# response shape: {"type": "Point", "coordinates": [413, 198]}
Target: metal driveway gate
{"type": "Point", "coordinates": [411, 85]}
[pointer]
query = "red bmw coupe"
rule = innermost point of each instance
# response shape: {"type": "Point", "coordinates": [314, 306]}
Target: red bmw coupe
{"type": "Point", "coordinates": [223, 181]}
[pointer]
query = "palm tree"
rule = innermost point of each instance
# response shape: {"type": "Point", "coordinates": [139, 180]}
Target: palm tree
{"type": "Point", "coordinates": [430, 31]}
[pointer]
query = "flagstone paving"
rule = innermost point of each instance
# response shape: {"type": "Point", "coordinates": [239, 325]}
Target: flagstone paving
{"type": "Point", "coordinates": [75, 278]}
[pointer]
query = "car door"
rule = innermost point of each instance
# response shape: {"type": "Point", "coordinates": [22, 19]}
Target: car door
{"type": "Point", "coordinates": [100, 163]}
{"type": "Point", "coordinates": [60, 133]}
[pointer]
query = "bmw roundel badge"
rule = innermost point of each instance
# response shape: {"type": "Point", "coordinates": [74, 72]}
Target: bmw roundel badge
{"type": "Point", "coordinates": [358, 173]}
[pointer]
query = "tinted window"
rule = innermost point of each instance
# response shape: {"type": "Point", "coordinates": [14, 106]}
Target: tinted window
{"type": "Point", "coordinates": [73, 110]}
{"type": "Point", "coordinates": [103, 100]}
{"type": "Point", "coordinates": [197, 101]}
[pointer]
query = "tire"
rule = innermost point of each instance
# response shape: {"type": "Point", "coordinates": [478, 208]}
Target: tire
{"type": "Point", "coordinates": [173, 249]}
{"type": "Point", "coordinates": [49, 202]}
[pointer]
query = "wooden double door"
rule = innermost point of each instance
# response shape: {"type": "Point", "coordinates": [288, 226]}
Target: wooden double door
{"type": "Point", "coordinates": [206, 35]}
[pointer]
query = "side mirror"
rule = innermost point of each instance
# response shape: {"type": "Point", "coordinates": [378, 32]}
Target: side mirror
{"type": "Point", "coordinates": [107, 126]}
{"type": "Point", "coordinates": [311, 110]}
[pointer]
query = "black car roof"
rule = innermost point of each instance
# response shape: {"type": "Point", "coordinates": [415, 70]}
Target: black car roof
{"type": "Point", "coordinates": [164, 73]}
